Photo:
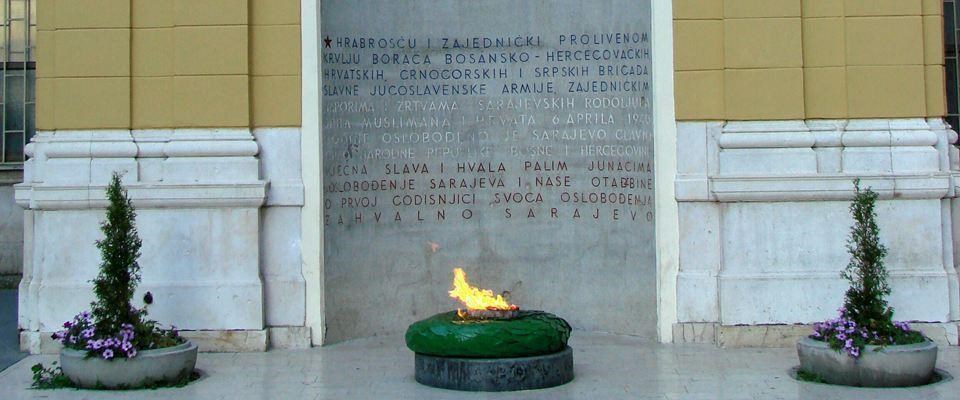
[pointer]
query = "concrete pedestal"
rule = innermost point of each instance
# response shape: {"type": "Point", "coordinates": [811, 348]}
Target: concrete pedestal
{"type": "Point", "coordinates": [495, 374]}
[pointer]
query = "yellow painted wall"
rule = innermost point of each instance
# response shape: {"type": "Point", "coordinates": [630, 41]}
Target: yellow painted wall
{"type": "Point", "coordinates": [808, 59]}
{"type": "Point", "coordinates": [168, 63]}
{"type": "Point", "coordinates": [236, 63]}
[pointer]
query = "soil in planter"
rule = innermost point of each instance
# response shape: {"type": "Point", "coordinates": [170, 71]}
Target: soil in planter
{"type": "Point", "coordinates": [939, 375]}
{"type": "Point", "coordinates": [52, 378]}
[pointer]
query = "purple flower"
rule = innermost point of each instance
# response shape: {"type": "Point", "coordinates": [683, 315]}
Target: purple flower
{"type": "Point", "coordinates": [126, 346]}
{"type": "Point", "coordinates": [107, 354]}
{"type": "Point", "coordinates": [87, 333]}
{"type": "Point", "coordinates": [841, 336]}
{"type": "Point", "coordinates": [95, 344]}
{"type": "Point", "coordinates": [67, 324]}
{"type": "Point", "coordinates": [131, 353]}
{"type": "Point", "coordinates": [904, 326]}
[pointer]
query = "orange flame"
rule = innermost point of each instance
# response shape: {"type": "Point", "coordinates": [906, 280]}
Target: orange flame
{"type": "Point", "coordinates": [476, 298]}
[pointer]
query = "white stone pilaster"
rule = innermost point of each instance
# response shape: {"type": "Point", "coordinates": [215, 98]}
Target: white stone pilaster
{"type": "Point", "coordinates": [764, 227]}
{"type": "Point", "coordinates": [198, 194]}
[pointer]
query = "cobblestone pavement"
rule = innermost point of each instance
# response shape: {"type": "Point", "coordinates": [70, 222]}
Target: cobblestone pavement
{"type": "Point", "coordinates": [607, 367]}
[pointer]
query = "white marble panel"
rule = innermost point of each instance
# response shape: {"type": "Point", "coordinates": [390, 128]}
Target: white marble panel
{"type": "Point", "coordinates": [829, 160]}
{"type": "Point", "coordinates": [763, 161]}
{"type": "Point", "coordinates": [698, 296]}
{"type": "Point", "coordinates": [784, 236]}
{"type": "Point", "coordinates": [806, 298]}
{"type": "Point", "coordinates": [867, 160]}
{"type": "Point", "coordinates": [700, 258]}
{"type": "Point", "coordinates": [911, 231]}
{"type": "Point", "coordinates": [210, 169]}
{"type": "Point", "coordinates": [102, 169]}
{"type": "Point", "coordinates": [692, 148]}
{"type": "Point", "coordinates": [200, 264]}
{"type": "Point", "coordinates": [917, 159]}
{"type": "Point", "coordinates": [280, 265]}
{"type": "Point", "coordinates": [67, 171]}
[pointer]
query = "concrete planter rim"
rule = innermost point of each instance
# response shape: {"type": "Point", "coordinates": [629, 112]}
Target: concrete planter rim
{"type": "Point", "coordinates": [142, 353]}
{"type": "Point", "coordinates": [166, 365]}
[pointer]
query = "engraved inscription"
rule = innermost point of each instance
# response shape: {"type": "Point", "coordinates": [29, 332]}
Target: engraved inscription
{"type": "Point", "coordinates": [518, 127]}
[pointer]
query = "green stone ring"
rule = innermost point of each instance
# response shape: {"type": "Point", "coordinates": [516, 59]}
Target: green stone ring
{"type": "Point", "coordinates": [530, 333]}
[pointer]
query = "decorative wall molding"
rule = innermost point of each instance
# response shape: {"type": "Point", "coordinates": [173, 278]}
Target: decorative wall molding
{"type": "Point", "coordinates": [182, 168]}
{"type": "Point", "coordinates": [51, 198]}
{"type": "Point", "coordinates": [814, 160]}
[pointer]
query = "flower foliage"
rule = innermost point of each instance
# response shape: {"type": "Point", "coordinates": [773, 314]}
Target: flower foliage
{"type": "Point", "coordinates": [865, 318]}
{"type": "Point", "coordinates": [81, 334]}
{"type": "Point", "coordinates": [115, 328]}
{"type": "Point", "coordinates": [845, 334]}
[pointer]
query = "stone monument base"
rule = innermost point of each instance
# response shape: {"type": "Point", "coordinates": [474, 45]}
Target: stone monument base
{"type": "Point", "coordinates": [495, 374]}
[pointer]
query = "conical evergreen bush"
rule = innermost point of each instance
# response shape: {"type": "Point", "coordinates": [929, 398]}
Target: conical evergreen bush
{"type": "Point", "coordinates": [865, 300]}
{"type": "Point", "coordinates": [119, 269]}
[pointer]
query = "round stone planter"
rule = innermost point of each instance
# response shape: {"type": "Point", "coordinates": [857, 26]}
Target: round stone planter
{"type": "Point", "coordinates": [888, 366]}
{"type": "Point", "coordinates": [161, 366]}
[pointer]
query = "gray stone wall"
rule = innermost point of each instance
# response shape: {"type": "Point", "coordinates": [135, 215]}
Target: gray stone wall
{"type": "Point", "coordinates": [11, 228]}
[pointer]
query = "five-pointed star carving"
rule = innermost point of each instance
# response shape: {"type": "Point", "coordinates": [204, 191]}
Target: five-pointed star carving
{"type": "Point", "coordinates": [326, 41]}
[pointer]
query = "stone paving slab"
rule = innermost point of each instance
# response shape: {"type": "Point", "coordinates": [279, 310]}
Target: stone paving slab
{"type": "Point", "coordinates": [607, 367]}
